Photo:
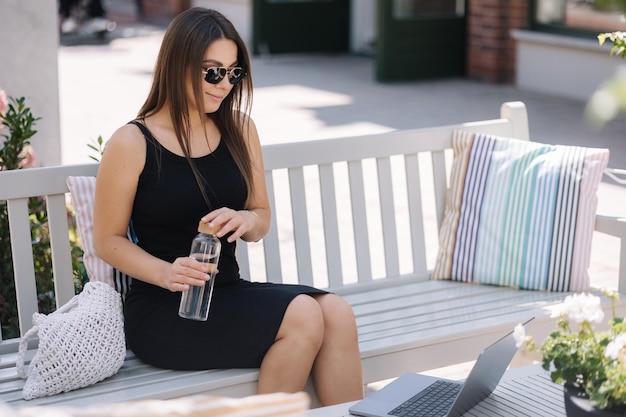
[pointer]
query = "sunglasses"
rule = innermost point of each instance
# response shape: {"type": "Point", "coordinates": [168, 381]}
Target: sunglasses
{"type": "Point", "coordinates": [214, 75]}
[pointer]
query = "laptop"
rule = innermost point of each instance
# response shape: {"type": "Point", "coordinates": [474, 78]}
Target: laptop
{"type": "Point", "coordinates": [441, 397]}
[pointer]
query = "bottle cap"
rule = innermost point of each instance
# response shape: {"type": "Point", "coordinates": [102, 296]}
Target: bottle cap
{"type": "Point", "coordinates": [205, 228]}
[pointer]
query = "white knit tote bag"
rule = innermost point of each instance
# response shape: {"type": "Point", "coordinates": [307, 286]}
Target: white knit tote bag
{"type": "Point", "coordinates": [80, 344]}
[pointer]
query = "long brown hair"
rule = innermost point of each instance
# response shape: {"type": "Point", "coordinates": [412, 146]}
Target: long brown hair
{"type": "Point", "coordinates": [182, 51]}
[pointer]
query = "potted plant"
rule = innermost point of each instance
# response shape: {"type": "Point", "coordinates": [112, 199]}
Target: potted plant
{"type": "Point", "coordinates": [590, 364]}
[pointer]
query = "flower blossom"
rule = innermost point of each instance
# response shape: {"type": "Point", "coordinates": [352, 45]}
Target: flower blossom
{"type": "Point", "coordinates": [4, 106]}
{"type": "Point", "coordinates": [615, 349]}
{"type": "Point", "coordinates": [583, 308]}
{"type": "Point", "coordinates": [519, 333]}
{"type": "Point", "coordinates": [558, 311]}
{"type": "Point", "coordinates": [610, 293]}
{"type": "Point", "coordinates": [28, 157]}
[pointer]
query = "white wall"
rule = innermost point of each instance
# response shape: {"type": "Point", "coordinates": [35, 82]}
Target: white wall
{"type": "Point", "coordinates": [29, 41]}
{"type": "Point", "coordinates": [239, 12]}
{"type": "Point", "coordinates": [562, 65]}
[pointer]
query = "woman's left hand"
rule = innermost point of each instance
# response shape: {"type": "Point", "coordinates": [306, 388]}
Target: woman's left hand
{"type": "Point", "coordinates": [227, 220]}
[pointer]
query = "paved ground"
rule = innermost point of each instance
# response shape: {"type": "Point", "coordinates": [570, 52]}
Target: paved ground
{"type": "Point", "coordinates": [103, 84]}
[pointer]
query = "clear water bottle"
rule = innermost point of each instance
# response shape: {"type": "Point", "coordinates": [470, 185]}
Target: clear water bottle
{"type": "Point", "coordinates": [205, 248]}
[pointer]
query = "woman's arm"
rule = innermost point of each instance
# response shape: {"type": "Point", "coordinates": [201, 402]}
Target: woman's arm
{"type": "Point", "coordinates": [116, 186]}
{"type": "Point", "coordinates": [253, 223]}
{"type": "Point", "coordinates": [258, 203]}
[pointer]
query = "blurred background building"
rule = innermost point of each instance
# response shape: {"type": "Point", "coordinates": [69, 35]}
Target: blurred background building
{"type": "Point", "coordinates": [548, 46]}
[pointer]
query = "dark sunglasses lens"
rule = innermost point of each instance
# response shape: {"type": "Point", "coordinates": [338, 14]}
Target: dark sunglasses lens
{"type": "Point", "coordinates": [236, 75]}
{"type": "Point", "coordinates": [214, 75]}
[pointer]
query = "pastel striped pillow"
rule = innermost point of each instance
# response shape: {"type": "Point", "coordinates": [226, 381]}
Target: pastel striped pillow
{"type": "Point", "coordinates": [82, 190]}
{"type": "Point", "coordinates": [519, 213]}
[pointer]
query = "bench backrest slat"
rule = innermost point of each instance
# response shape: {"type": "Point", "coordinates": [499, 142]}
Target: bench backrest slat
{"type": "Point", "coordinates": [415, 207]}
{"type": "Point", "coordinates": [388, 216]}
{"type": "Point", "coordinates": [299, 213]}
{"type": "Point", "coordinates": [271, 258]}
{"type": "Point", "coordinates": [360, 231]}
{"type": "Point", "coordinates": [61, 252]}
{"type": "Point", "coordinates": [330, 225]}
{"type": "Point", "coordinates": [440, 183]}
{"type": "Point", "coordinates": [22, 254]}
{"type": "Point", "coordinates": [242, 255]}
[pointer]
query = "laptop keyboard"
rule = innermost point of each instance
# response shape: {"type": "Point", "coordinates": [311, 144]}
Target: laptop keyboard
{"type": "Point", "coordinates": [434, 401]}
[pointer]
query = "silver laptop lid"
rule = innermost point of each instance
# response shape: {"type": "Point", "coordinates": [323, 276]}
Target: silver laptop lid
{"type": "Point", "coordinates": [486, 373]}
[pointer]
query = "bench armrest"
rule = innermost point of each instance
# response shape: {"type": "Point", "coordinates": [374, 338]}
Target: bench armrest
{"type": "Point", "coordinates": [615, 226]}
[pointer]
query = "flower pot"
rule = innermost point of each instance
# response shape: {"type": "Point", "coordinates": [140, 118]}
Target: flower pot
{"type": "Point", "coordinates": [577, 405]}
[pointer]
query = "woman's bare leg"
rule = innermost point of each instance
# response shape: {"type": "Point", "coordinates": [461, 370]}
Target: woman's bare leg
{"type": "Point", "coordinates": [287, 364]}
{"type": "Point", "coordinates": [337, 371]}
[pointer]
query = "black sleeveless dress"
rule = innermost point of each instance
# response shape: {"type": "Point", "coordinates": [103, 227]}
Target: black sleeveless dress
{"type": "Point", "coordinates": [244, 316]}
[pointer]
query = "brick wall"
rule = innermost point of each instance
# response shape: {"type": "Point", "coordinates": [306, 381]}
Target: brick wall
{"type": "Point", "coordinates": [490, 48]}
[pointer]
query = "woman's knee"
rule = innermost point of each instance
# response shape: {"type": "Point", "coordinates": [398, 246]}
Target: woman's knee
{"type": "Point", "coordinates": [304, 319]}
{"type": "Point", "coordinates": [337, 312]}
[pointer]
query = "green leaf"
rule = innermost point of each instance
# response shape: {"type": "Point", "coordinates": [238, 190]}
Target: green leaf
{"type": "Point", "coordinates": [98, 147]}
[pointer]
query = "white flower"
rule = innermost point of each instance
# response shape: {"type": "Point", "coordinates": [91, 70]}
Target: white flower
{"type": "Point", "coordinates": [583, 307]}
{"type": "Point", "coordinates": [614, 348]}
{"type": "Point", "coordinates": [519, 333]}
{"type": "Point", "coordinates": [558, 311]}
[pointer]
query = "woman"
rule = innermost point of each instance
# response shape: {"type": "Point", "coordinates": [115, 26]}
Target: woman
{"type": "Point", "coordinates": [193, 155]}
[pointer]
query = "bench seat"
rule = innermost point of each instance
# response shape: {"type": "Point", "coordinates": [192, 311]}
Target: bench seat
{"type": "Point", "coordinates": [433, 324]}
{"type": "Point", "coordinates": [408, 327]}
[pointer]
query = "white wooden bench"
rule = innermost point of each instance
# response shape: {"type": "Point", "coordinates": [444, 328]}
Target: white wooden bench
{"type": "Point", "coordinates": [377, 253]}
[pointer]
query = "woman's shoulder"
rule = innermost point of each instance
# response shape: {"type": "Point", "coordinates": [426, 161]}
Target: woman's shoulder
{"type": "Point", "coordinates": [248, 126]}
{"type": "Point", "coordinates": [127, 137]}
{"type": "Point", "coordinates": [126, 144]}
{"type": "Point", "coordinates": [243, 117]}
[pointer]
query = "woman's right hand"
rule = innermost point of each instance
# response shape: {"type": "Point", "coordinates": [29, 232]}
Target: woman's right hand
{"type": "Point", "coordinates": [185, 272]}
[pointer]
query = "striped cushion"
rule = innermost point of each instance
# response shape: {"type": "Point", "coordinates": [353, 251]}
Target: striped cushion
{"type": "Point", "coordinates": [519, 213]}
{"type": "Point", "coordinates": [82, 190]}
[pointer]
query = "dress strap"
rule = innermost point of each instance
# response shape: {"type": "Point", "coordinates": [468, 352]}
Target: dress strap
{"type": "Point", "coordinates": [148, 136]}
{"type": "Point", "coordinates": [144, 129]}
